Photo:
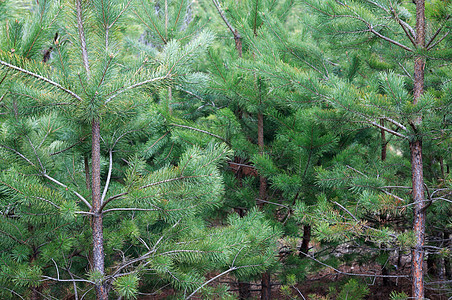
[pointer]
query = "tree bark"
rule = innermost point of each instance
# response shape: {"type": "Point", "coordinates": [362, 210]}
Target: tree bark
{"type": "Point", "coordinates": [98, 237]}
{"type": "Point", "coordinates": [266, 291]}
{"type": "Point", "coordinates": [419, 220]}
{"type": "Point", "coordinates": [304, 248]}
{"type": "Point", "coordinates": [417, 176]}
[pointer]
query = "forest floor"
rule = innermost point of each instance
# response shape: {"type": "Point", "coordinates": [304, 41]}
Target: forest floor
{"type": "Point", "coordinates": [317, 286]}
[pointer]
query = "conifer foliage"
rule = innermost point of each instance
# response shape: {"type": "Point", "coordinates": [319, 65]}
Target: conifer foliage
{"type": "Point", "coordinates": [83, 204]}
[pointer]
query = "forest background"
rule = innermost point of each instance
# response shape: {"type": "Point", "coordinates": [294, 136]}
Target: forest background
{"type": "Point", "coordinates": [225, 149]}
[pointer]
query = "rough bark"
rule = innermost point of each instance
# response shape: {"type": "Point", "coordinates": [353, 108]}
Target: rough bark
{"type": "Point", "coordinates": [416, 163]}
{"type": "Point", "coordinates": [98, 237]}
{"type": "Point", "coordinates": [419, 220]}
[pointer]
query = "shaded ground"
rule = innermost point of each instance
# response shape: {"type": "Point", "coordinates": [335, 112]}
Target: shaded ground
{"type": "Point", "coordinates": [317, 286]}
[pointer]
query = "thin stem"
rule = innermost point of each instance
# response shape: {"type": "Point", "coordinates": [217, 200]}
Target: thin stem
{"type": "Point", "coordinates": [107, 183]}
{"type": "Point", "coordinates": [81, 34]}
{"type": "Point", "coordinates": [220, 11]}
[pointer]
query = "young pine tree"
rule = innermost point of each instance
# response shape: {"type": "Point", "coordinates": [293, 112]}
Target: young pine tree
{"type": "Point", "coordinates": [120, 219]}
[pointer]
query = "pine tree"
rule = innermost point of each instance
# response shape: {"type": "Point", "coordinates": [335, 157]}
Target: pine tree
{"type": "Point", "coordinates": [91, 99]}
{"type": "Point", "coordinates": [392, 26]}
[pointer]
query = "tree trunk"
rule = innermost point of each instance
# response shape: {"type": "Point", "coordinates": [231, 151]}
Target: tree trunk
{"type": "Point", "coordinates": [419, 220]}
{"type": "Point", "coordinates": [447, 264]}
{"type": "Point", "coordinates": [266, 291]}
{"type": "Point", "coordinates": [244, 290]}
{"type": "Point", "coordinates": [98, 237]}
{"type": "Point", "coordinates": [260, 142]}
{"type": "Point", "coordinates": [383, 142]}
{"type": "Point", "coordinates": [417, 176]}
{"type": "Point", "coordinates": [266, 282]}
{"type": "Point", "coordinates": [304, 248]}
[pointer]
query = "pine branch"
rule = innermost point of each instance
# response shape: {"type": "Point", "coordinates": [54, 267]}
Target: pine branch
{"type": "Point", "coordinates": [203, 131]}
{"type": "Point", "coordinates": [129, 209]}
{"type": "Point", "coordinates": [220, 11]}
{"type": "Point", "coordinates": [437, 32]}
{"type": "Point", "coordinates": [125, 89]}
{"type": "Point", "coordinates": [67, 188]}
{"type": "Point", "coordinates": [41, 78]}
{"type": "Point", "coordinates": [395, 123]}
{"type": "Point", "coordinates": [66, 280]}
{"type": "Point", "coordinates": [210, 280]}
{"type": "Point", "coordinates": [145, 187]}
{"type": "Point", "coordinates": [68, 148]}
{"type": "Point", "coordinates": [19, 154]}
{"type": "Point", "coordinates": [439, 41]}
{"type": "Point", "coordinates": [371, 29]}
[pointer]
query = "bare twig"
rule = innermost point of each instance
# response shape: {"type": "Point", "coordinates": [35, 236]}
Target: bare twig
{"type": "Point", "coordinates": [107, 183]}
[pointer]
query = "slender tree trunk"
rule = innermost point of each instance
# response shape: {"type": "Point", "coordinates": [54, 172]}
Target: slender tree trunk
{"type": "Point", "coordinates": [266, 278]}
{"type": "Point", "coordinates": [266, 291]}
{"type": "Point", "coordinates": [417, 176]}
{"type": "Point", "coordinates": [304, 248]}
{"type": "Point", "coordinates": [260, 142]}
{"type": "Point", "coordinates": [383, 142]}
{"type": "Point", "coordinates": [384, 268]}
{"type": "Point", "coordinates": [447, 264]}
{"type": "Point", "coordinates": [238, 42]}
{"type": "Point", "coordinates": [244, 290]}
{"type": "Point", "coordinates": [87, 173]}
{"type": "Point", "coordinates": [98, 237]}
{"type": "Point", "coordinates": [419, 220]}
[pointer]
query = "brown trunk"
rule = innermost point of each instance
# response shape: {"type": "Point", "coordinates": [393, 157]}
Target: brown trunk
{"type": "Point", "coordinates": [266, 291]}
{"type": "Point", "coordinates": [304, 248]}
{"type": "Point", "coordinates": [383, 142]}
{"type": "Point", "coordinates": [238, 42]}
{"type": "Point", "coordinates": [417, 176]}
{"type": "Point", "coordinates": [266, 284]}
{"type": "Point", "coordinates": [447, 264]}
{"type": "Point", "coordinates": [385, 271]}
{"type": "Point", "coordinates": [244, 290]}
{"type": "Point", "coordinates": [419, 220]}
{"type": "Point", "coordinates": [98, 243]}
{"type": "Point", "coordinates": [260, 142]}
{"type": "Point", "coordinates": [87, 174]}
{"type": "Point", "coordinates": [35, 291]}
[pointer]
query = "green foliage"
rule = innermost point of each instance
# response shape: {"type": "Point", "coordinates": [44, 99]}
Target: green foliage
{"type": "Point", "coordinates": [353, 289]}
{"type": "Point", "coordinates": [127, 286]}
{"type": "Point", "coordinates": [398, 296]}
